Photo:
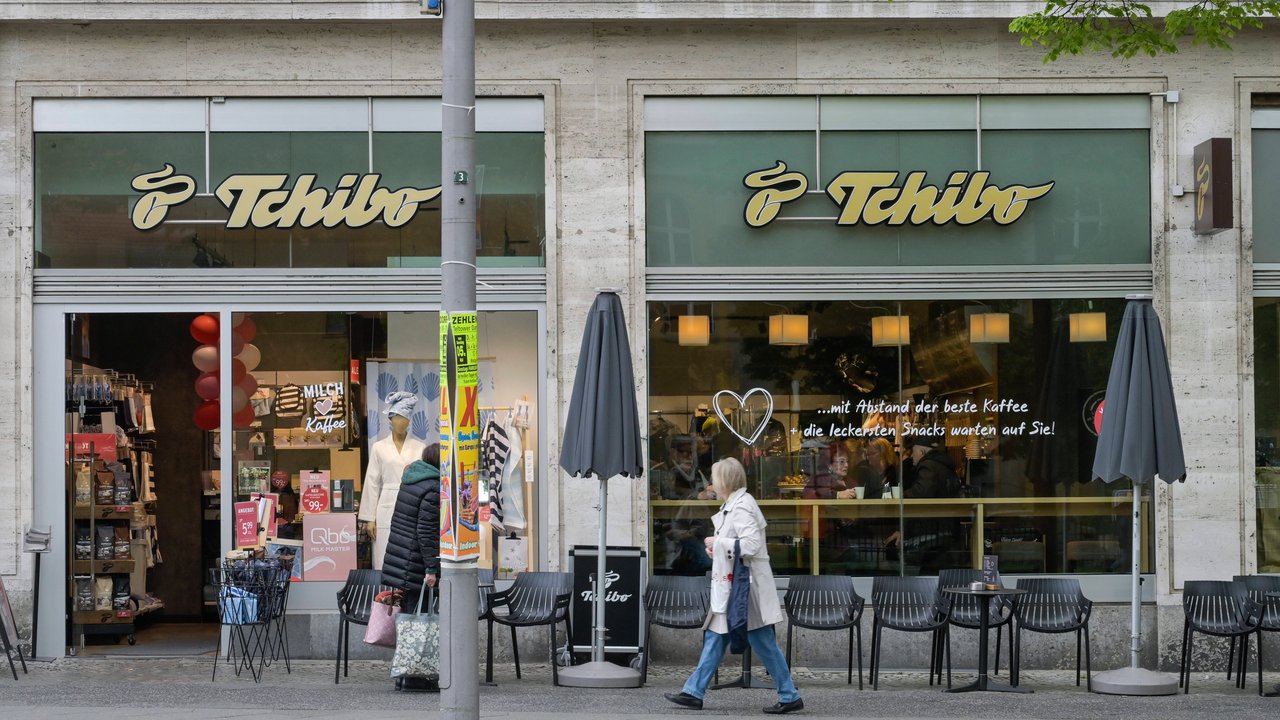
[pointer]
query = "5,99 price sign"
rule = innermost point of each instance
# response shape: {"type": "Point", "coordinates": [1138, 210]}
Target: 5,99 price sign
{"type": "Point", "coordinates": [246, 519]}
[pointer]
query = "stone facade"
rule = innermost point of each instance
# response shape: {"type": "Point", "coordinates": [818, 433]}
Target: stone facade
{"type": "Point", "coordinates": [594, 62]}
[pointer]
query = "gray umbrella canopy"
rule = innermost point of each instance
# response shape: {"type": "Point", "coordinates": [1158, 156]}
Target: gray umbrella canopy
{"type": "Point", "coordinates": [602, 431]}
{"type": "Point", "coordinates": [1140, 439]}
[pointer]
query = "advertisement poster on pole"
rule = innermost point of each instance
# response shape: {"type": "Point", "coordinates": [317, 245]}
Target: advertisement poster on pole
{"type": "Point", "coordinates": [459, 438]}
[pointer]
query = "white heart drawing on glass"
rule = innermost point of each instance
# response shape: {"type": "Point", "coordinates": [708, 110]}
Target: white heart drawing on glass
{"type": "Point", "coordinates": [742, 405]}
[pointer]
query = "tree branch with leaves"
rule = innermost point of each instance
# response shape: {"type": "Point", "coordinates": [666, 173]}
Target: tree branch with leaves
{"type": "Point", "coordinates": [1126, 28]}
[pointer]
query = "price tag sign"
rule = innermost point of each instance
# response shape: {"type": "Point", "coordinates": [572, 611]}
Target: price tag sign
{"type": "Point", "coordinates": [246, 524]}
{"type": "Point", "coordinates": [315, 493]}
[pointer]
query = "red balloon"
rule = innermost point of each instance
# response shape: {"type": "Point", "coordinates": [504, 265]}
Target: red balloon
{"type": "Point", "coordinates": [207, 385]}
{"type": "Point", "coordinates": [243, 417]}
{"type": "Point", "coordinates": [238, 371]}
{"type": "Point", "coordinates": [247, 329]}
{"type": "Point", "coordinates": [205, 329]}
{"type": "Point", "coordinates": [237, 343]}
{"type": "Point", "coordinates": [207, 415]}
{"type": "Point", "coordinates": [249, 384]}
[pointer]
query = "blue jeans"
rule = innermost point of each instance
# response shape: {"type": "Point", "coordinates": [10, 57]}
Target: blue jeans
{"type": "Point", "coordinates": [765, 647]}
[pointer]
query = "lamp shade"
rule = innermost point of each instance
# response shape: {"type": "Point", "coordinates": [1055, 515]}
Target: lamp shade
{"type": "Point", "coordinates": [788, 329]}
{"type": "Point", "coordinates": [694, 329]}
{"type": "Point", "coordinates": [889, 330]}
{"type": "Point", "coordinates": [989, 328]}
{"type": "Point", "coordinates": [1088, 327]}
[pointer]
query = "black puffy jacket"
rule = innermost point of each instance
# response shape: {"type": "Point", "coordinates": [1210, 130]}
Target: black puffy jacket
{"type": "Point", "coordinates": [413, 542]}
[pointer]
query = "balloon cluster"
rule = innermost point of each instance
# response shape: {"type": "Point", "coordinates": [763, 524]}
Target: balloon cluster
{"type": "Point", "coordinates": [245, 358]}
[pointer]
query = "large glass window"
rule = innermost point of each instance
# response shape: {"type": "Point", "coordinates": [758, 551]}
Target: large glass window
{"type": "Point", "coordinates": [84, 198]}
{"type": "Point", "coordinates": [696, 199]}
{"type": "Point", "coordinates": [904, 436]}
{"type": "Point", "coordinates": [1266, 411]}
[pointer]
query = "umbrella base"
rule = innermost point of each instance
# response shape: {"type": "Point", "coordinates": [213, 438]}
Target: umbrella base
{"type": "Point", "coordinates": [1134, 681]}
{"type": "Point", "coordinates": [599, 675]}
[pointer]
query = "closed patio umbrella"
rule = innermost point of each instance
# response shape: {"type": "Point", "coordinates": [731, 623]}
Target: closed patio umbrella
{"type": "Point", "coordinates": [1140, 441]}
{"type": "Point", "coordinates": [602, 438]}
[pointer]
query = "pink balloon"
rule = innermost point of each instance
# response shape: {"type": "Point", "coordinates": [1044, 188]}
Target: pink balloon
{"type": "Point", "coordinates": [237, 343]}
{"type": "Point", "coordinates": [207, 386]}
{"type": "Point", "coordinates": [238, 399]}
{"type": "Point", "coordinates": [250, 356]}
{"type": "Point", "coordinates": [206, 358]}
{"type": "Point", "coordinates": [238, 318]}
{"type": "Point", "coordinates": [247, 329]}
{"type": "Point", "coordinates": [249, 384]}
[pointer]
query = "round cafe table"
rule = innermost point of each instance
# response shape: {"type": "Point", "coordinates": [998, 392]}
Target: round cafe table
{"type": "Point", "coordinates": [983, 683]}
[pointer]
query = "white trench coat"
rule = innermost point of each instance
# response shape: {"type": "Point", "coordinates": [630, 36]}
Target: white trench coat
{"type": "Point", "coordinates": [740, 519]}
{"type": "Point", "coordinates": [382, 485]}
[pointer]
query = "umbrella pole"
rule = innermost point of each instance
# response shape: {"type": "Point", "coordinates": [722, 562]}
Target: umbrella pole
{"type": "Point", "coordinates": [1135, 555]}
{"type": "Point", "coordinates": [597, 640]}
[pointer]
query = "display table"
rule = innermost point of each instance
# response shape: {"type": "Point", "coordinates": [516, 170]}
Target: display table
{"type": "Point", "coordinates": [983, 683]}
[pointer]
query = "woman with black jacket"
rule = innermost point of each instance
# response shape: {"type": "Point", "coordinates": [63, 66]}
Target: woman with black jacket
{"type": "Point", "coordinates": [413, 542]}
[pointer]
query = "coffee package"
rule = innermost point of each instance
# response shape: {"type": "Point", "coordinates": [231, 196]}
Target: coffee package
{"type": "Point", "coordinates": [123, 487]}
{"type": "Point", "coordinates": [120, 593]}
{"type": "Point", "coordinates": [104, 486]}
{"type": "Point", "coordinates": [84, 485]}
{"type": "Point", "coordinates": [84, 543]}
{"type": "Point", "coordinates": [102, 589]}
{"type": "Point", "coordinates": [84, 592]}
{"type": "Point", "coordinates": [123, 550]}
{"type": "Point", "coordinates": [104, 543]}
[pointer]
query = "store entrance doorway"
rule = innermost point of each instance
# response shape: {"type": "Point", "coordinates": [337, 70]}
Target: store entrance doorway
{"type": "Point", "coordinates": [142, 505]}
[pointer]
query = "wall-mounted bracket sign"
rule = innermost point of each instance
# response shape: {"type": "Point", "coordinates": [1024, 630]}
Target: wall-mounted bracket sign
{"type": "Point", "coordinates": [1212, 162]}
{"type": "Point", "coordinates": [263, 201]}
{"type": "Point", "coordinates": [874, 198]}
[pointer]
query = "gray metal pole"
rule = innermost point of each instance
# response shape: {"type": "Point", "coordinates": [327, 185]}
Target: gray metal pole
{"type": "Point", "coordinates": [1135, 555]}
{"type": "Point", "coordinates": [460, 696]}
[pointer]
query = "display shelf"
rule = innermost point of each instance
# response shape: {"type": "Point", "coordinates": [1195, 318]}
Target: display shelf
{"type": "Point", "coordinates": [103, 567]}
{"type": "Point", "coordinates": [103, 512]}
{"type": "Point", "coordinates": [104, 617]}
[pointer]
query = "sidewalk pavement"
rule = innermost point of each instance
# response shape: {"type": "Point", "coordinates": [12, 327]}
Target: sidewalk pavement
{"type": "Point", "coordinates": [141, 689]}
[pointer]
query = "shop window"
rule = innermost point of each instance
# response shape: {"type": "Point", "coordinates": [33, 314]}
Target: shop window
{"type": "Point", "coordinates": [1266, 174]}
{"type": "Point", "coordinates": [905, 436]}
{"type": "Point", "coordinates": [1266, 408]}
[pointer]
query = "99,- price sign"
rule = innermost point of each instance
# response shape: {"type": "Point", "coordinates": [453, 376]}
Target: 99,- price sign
{"type": "Point", "coordinates": [315, 492]}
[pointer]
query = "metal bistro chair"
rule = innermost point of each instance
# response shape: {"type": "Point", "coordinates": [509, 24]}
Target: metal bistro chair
{"type": "Point", "coordinates": [826, 602]}
{"type": "Point", "coordinates": [1258, 586]}
{"type": "Point", "coordinates": [1052, 605]}
{"type": "Point", "coordinates": [673, 601]}
{"type": "Point", "coordinates": [355, 604]}
{"type": "Point", "coordinates": [910, 604]}
{"type": "Point", "coordinates": [6, 621]}
{"type": "Point", "coordinates": [535, 598]}
{"type": "Point", "coordinates": [966, 610]}
{"type": "Point", "coordinates": [1224, 609]}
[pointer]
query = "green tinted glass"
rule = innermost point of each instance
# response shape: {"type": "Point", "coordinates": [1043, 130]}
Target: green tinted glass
{"type": "Point", "coordinates": [1266, 215]}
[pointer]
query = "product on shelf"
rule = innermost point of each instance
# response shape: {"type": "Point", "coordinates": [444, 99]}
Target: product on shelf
{"type": "Point", "coordinates": [105, 542]}
{"type": "Point", "coordinates": [123, 494]}
{"type": "Point", "coordinates": [84, 593]}
{"type": "Point", "coordinates": [104, 487]}
{"type": "Point", "coordinates": [123, 550]}
{"type": "Point", "coordinates": [120, 592]}
{"type": "Point", "coordinates": [102, 589]}
{"type": "Point", "coordinates": [84, 485]}
{"type": "Point", "coordinates": [84, 543]}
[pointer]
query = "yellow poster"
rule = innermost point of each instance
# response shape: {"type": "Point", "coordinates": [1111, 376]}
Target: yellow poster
{"type": "Point", "coordinates": [459, 438]}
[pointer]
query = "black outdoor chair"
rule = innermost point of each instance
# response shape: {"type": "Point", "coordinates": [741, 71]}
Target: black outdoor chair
{"type": "Point", "coordinates": [1052, 606]}
{"type": "Point", "coordinates": [673, 601]}
{"type": "Point", "coordinates": [535, 598]}
{"type": "Point", "coordinates": [355, 604]}
{"type": "Point", "coordinates": [910, 604]}
{"type": "Point", "coordinates": [1223, 609]}
{"type": "Point", "coordinates": [966, 610]}
{"type": "Point", "coordinates": [1258, 586]}
{"type": "Point", "coordinates": [825, 602]}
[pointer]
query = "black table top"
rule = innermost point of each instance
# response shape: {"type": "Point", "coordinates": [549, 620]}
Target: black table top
{"type": "Point", "coordinates": [984, 592]}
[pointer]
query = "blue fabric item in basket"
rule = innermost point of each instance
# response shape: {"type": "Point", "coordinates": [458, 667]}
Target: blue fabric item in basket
{"type": "Point", "coordinates": [239, 606]}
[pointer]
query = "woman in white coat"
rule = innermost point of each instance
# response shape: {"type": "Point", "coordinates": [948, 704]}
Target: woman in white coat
{"type": "Point", "coordinates": [388, 458]}
{"type": "Point", "coordinates": [740, 519]}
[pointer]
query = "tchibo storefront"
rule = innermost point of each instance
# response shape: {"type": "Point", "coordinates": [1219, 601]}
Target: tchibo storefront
{"type": "Point", "coordinates": [910, 244]}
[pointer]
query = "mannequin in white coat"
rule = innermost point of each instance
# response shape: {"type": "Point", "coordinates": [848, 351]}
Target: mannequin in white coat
{"type": "Point", "coordinates": [387, 462]}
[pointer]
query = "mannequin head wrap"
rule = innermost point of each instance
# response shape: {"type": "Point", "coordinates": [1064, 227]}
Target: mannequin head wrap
{"type": "Point", "coordinates": [401, 403]}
